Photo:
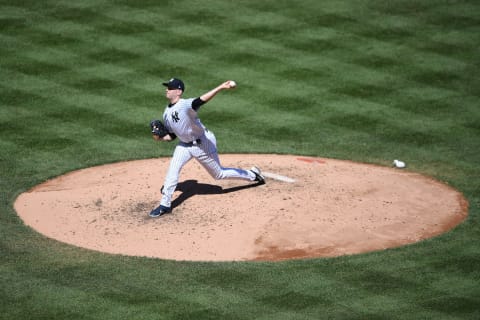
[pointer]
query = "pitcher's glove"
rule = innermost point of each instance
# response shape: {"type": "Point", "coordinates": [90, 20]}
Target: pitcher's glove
{"type": "Point", "coordinates": [158, 128]}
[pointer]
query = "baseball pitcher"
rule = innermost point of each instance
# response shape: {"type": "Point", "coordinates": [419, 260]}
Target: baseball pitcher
{"type": "Point", "coordinates": [180, 120]}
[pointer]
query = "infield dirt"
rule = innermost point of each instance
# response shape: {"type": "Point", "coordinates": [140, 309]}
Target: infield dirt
{"type": "Point", "coordinates": [332, 208]}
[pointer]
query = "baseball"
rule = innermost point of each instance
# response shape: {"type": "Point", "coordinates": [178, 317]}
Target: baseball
{"type": "Point", "coordinates": [399, 164]}
{"type": "Point", "coordinates": [233, 84]}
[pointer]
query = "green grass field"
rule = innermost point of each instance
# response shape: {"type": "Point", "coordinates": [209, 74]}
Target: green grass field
{"type": "Point", "coordinates": [369, 81]}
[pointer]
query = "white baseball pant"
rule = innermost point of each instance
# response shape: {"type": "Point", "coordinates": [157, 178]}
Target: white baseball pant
{"type": "Point", "coordinates": [206, 154]}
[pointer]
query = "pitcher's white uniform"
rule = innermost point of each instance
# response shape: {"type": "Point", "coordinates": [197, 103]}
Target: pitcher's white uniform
{"type": "Point", "coordinates": [195, 142]}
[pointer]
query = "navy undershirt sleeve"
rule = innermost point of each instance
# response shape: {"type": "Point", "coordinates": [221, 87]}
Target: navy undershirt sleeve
{"type": "Point", "coordinates": [197, 103]}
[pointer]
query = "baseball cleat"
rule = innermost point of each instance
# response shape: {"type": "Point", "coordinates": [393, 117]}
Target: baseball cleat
{"type": "Point", "coordinates": [258, 175]}
{"type": "Point", "coordinates": [160, 210]}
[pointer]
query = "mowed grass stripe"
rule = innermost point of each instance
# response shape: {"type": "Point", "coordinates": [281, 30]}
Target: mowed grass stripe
{"type": "Point", "coordinates": [73, 100]}
{"type": "Point", "coordinates": [113, 56]}
{"type": "Point", "coordinates": [47, 58]}
{"type": "Point", "coordinates": [110, 53]}
{"type": "Point", "coordinates": [117, 56]}
{"type": "Point", "coordinates": [393, 65]}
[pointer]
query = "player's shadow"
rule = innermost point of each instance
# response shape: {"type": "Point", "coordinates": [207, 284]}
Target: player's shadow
{"type": "Point", "coordinates": [190, 188]}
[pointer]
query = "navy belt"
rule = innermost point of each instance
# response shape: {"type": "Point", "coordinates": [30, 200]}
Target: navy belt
{"type": "Point", "coordinates": [193, 143]}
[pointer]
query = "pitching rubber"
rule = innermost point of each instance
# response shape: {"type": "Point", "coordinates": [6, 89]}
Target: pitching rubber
{"type": "Point", "coordinates": [277, 177]}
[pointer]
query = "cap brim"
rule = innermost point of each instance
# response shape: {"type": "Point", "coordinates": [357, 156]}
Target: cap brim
{"type": "Point", "coordinates": [170, 87]}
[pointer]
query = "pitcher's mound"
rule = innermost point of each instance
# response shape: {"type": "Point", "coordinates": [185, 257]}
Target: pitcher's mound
{"type": "Point", "coordinates": [309, 207]}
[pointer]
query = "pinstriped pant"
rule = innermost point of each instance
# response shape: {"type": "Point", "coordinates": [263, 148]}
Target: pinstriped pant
{"type": "Point", "coordinates": [206, 154]}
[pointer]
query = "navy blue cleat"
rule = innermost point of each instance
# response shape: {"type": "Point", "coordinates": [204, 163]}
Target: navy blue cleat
{"type": "Point", "coordinates": [258, 175]}
{"type": "Point", "coordinates": [160, 210]}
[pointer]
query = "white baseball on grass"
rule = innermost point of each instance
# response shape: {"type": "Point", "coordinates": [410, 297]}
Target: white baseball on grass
{"type": "Point", "coordinates": [232, 84]}
{"type": "Point", "coordinates": [399, 164]}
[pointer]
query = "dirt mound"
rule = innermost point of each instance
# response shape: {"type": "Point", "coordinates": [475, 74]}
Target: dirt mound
{"type": "Point", "coordinates": [309, 207]}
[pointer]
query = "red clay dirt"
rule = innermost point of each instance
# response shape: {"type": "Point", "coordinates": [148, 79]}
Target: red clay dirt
{"type": "Point", "coordinates": [332, 208]}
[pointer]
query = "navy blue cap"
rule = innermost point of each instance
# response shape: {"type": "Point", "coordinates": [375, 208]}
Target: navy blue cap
{"type": "Point", "coordinates": [174, 84]}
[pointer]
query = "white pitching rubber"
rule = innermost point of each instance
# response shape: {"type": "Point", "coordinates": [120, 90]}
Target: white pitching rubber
{"type": "Point", "coordinates": [277, 177]}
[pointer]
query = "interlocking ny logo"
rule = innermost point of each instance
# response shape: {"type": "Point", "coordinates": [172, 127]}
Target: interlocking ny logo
{"type": "Point", "coordinates": [175, 117]}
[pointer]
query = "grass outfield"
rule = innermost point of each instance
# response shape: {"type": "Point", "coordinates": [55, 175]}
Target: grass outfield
{"type": "Point", "coordinates": [369, 81]}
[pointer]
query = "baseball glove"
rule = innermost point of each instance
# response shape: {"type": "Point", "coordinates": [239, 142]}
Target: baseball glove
{"type": "Point", "coordinates": [158, 128]}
